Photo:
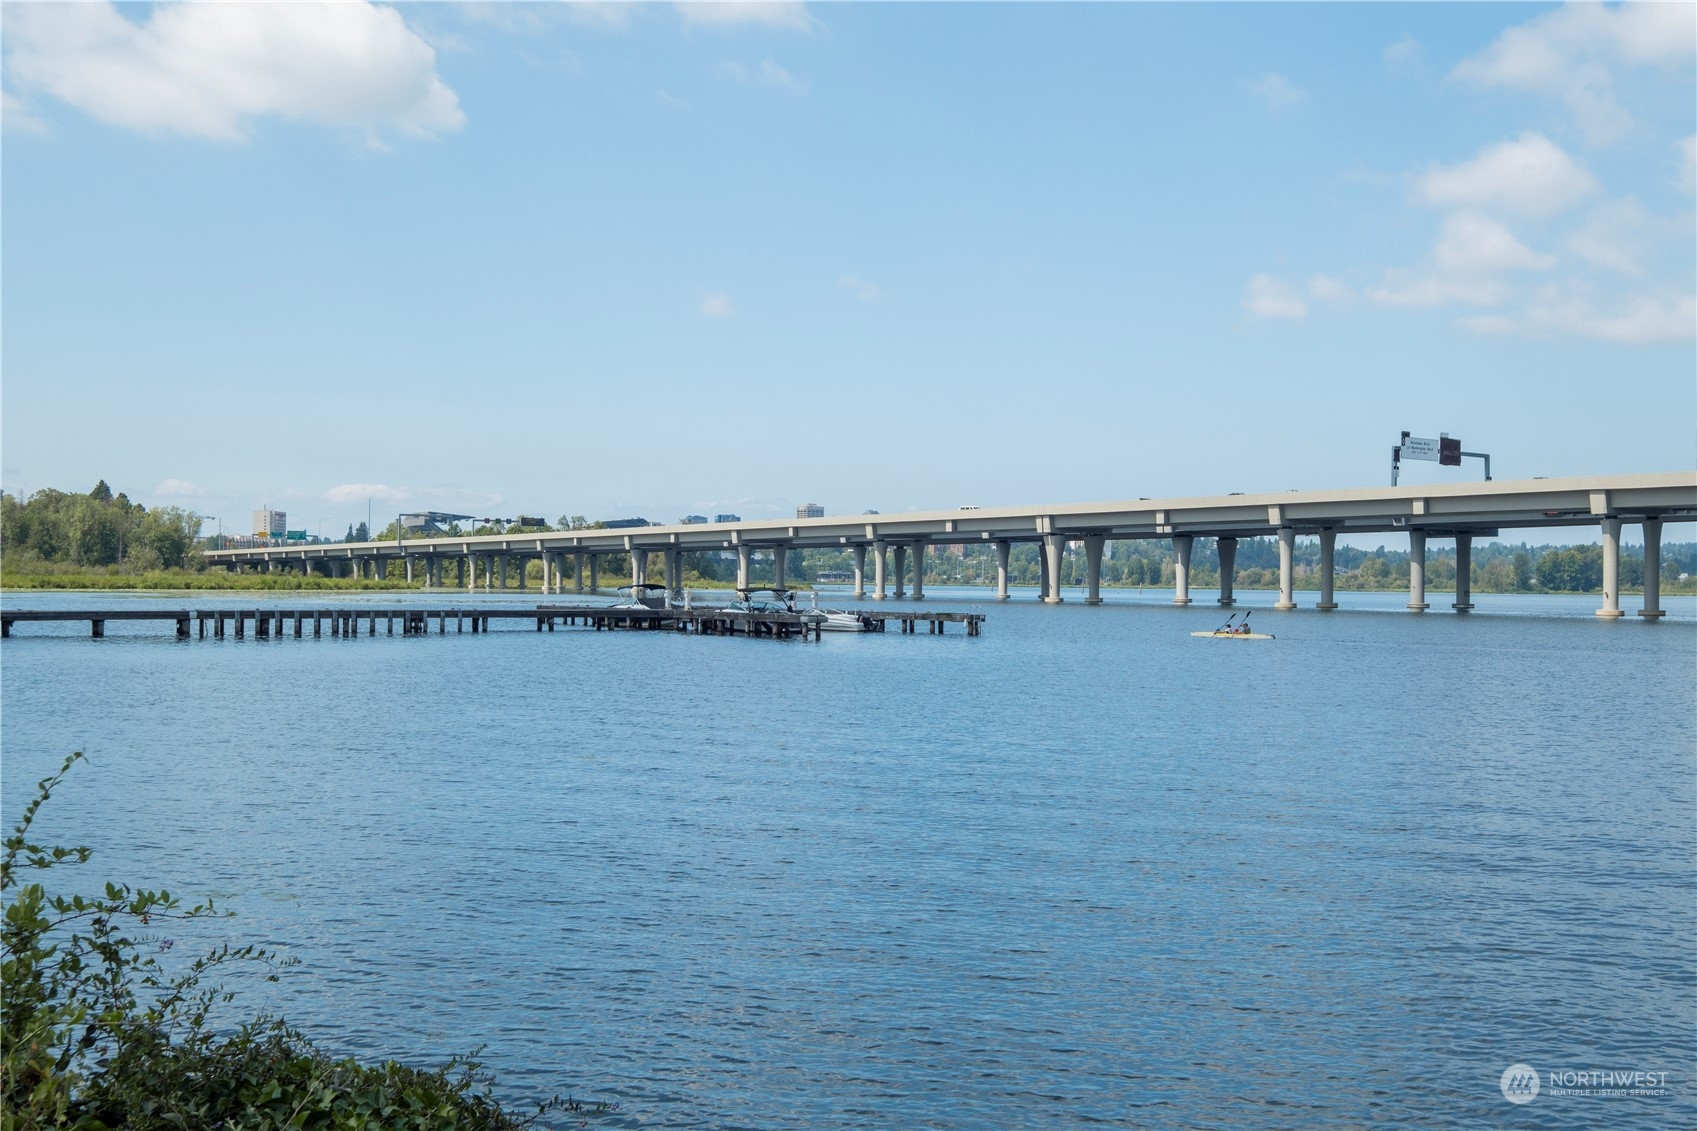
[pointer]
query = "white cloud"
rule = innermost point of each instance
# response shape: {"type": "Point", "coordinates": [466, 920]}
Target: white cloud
{"type": "Point", "coordinates": [1267, 297]}
{"type": "Point", "coordinates": [864, 291]}
{"type": "Point", "coordinates": [1616, 237]}
{"type": "Point", "coordinates": [1402, 55]}
{"type": "Point", "coordinates": [768, 73]}
{"type": "Point", "coordinates": [209, 70]}
{"type": "Point", "coordinates": [1326, 288]}
{"type": "Point", "coordinates": [1687, 149]}
{"type": "Point", "coordinates": [1278, 92]}
{"type": "Point", "coordinates": [16, 117]}
{"type": "Point", "coordinates": [1478, 245]}
{"type": "Point", "coordinates": [360, 492]}
{"type": "Point", "coordinates": [178, 489]}
{"type": "Point", "coordinates": [1406, 288]}
{"type": "Point", "coordinates": [672, 100]}
{"type": "Point", "coordinates": [1530, 176]}
{"type": "Point", "coordinates": [1639, 320]}
{"type": "Point", "coordinates": [717, 306]}
{"type": "Point", "coordinates": [1495, 324]}
{"type": "Point", "coordinates": [1571, 54]}
{"type": "Point", "coordinates": [783, 14]}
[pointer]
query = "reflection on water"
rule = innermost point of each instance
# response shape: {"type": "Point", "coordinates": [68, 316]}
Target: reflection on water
{"type": "Point", "coordinates": [1082, 868]}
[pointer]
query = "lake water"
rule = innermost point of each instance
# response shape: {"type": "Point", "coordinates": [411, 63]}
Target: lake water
{"type": "Point", "coordinates": [1083, 869]}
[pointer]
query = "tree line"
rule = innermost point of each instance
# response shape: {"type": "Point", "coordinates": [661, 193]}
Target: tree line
{"type": "Point", "coordinates": [97, 529]}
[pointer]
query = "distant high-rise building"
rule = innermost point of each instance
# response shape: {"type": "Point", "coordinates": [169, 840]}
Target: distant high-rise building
{"type": "Point", "coordinates": [810, 510]}
{"type": "Point", "coordinates": [268, 523]}
{"type": "Point", "coordinates": [693, 519]}
{"type": "Point", "coordinates": [727, 518]}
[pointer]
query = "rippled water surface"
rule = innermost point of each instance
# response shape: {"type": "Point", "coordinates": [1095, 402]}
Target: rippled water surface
{"type": "Point", "coordinates": [1082, 869]}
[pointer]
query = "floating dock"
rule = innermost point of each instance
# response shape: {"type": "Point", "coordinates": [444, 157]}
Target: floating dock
{"type": "Point", "coordinates": [271, 624]}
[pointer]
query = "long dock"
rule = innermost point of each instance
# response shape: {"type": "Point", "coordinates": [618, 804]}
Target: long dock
{"type": "Point", "coordinates": [271, 624]}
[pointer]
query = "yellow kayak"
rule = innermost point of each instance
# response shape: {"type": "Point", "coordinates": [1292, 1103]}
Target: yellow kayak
{"type": "Point", "coordinates": [1238, 635]}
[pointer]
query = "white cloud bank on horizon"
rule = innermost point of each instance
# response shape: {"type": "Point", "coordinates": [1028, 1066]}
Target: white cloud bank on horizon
{"type": "Point", "coordinates": [361, 492]}
{"type": "Point", "coordinates": [209, 70]}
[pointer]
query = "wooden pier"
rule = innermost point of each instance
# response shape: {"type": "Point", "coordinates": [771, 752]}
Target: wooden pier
{"type": "Point", "coordinates": [274, 624]}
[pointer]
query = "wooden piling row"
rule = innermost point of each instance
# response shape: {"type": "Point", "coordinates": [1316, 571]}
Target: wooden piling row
{"type": "Point", "coordinates": [269, 624]}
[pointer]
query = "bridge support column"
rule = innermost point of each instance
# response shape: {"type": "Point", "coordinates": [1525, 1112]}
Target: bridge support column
{"type": "Point", "coordinates": [409, 564]}
{"type": "Point", "coordinates": [1417, 570]}
{"type": "Point", "coordinates": [501, 569]}
{"type": "Point", "coordinates": [594, 572]}
{"type": "Point", "coordinates": [1463, 573]}
{"type": "Point", "coordinates": [877, 571]}
{"type": "Point", "coordinates": [1003, 549]}
{"type": "Point", "coordinates": [468, 572]}
{"type": "Point", "coordinates": [900, 555]}
{"type": "Point", "coordinates": [1287, 568]}
{"type": "Point", "coordinates": [1181, 569]}
{"type": "Point", "coordinates": [1228, 570]}
{"type": "Point", "coordinates": [919, 571]}
{"type": "Point", "coordinates": [675, 575]}
{"type": "Point", "coordinates": [860, 573]}
{"type": "Point", "coordinates": [1054, 550]}
{"type": "Point", "coordinates": [1328, 560]}
{"type": "Point", "coordinates": [780, 558]}
{"type": "Point", "coordinates": [1652, 569]}
{"type": "Point", "coordinates": [743, 570]}
{"type": "Point", "coordinates": [1611, 568]}
{"type": "Point", "coordinates": [638, 567]}
{"type": "Point", "coordinates": [577, 573]}
{"type": "Point", "coordinates": [1042, 571]}
{"type": "Point", "coordinates": [1093, 569]}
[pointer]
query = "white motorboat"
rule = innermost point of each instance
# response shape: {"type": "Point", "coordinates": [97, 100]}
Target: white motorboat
{"type": "Point", "coordinates": [839, 620]}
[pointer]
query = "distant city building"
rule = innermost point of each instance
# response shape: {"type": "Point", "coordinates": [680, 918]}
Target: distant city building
{"type": "Point", "coordinates": [868, 512]}
{"type": "Point", "coordinates": [810, 510]}
{"type": "Point", "coordinates": [270, 524]}
{"type": "Point", "coordinates": [622, 523]}
{"type": "Point", "coordinates": [727, 518]}
{"type": "Point", "coordinates": [694, 519]}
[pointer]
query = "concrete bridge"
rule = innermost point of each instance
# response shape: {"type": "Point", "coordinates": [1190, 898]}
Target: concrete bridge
{"type": "Point", "coordinates": [895, 544]}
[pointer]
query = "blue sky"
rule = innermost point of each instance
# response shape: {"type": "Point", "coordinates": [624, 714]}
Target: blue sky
{"type": "Point", "coordinates": [659, 260]}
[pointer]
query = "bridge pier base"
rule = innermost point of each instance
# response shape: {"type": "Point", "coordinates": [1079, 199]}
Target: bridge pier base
{"type": "Point", "coordinates": [877, 571]}
{"type": "Point", "coordinates": [1002, 551]}
{"type": "Point", "coordinates": [1652, 569]}
{"type": "Point", "coordinates": [1054, 551]}
{"type": "Point", "coordinates": [1181, 569]}
{"type": "Point", "coordinates": [1611, 568]}
{"type": "Point", "coordinates": [1328, 560]}
{"type": "Point", "coordinates": [1228, 570]}
{"type": "Point", "coordinates": [1287, 568]}
{"type": "Point", "coordinates": [1463, 573]}
{"type": "Point", "coordinates": [1417, 571]}
{"type": "Point", "coordinates": [1093, 569]}
{"type": "Point", "coordinates": [859, 572]}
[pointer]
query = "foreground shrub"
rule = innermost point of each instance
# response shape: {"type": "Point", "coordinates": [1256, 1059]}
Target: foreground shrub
{"type": "Point", "coordinates": [96, 1034]}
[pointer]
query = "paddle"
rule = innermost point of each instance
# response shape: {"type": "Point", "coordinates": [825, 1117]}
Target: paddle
{"type": "Point", "coordinates": [1227, 626]}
